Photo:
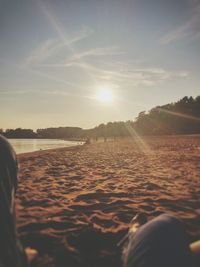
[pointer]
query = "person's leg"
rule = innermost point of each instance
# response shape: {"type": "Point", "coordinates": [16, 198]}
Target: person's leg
{"type": "Point", "coordinates": [11, 252]}
{"type": "Point", "coordinates": [161, 242]}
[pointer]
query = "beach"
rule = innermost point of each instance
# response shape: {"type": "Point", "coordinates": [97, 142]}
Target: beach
{"type": "Point", "coordinates": [75, 204]}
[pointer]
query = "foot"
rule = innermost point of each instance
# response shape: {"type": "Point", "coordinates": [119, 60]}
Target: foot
{"type": "Point", "coordinates": [31, 254]}
{"type": "Point", "coordinates": [137, 221]}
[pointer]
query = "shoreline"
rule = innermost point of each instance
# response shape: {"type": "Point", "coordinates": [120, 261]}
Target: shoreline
{"type": "Point", "coordinates": [102, 140]}
{"type": "Point", "coordinates": [37, 152]}
{"type": "Point", "coordinates": [22, 146]}
{"type": "Point", "coordinates": [43, 151]}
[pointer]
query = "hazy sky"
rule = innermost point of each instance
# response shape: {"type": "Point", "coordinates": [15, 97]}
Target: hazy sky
{"type": "Point", "coordinates": [56, 55]}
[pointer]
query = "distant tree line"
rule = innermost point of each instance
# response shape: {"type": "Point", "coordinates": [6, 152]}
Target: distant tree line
{"type": "Point", "coordinates": [60, 132]}
{"type": "Point", "coordinates": [181, 117]}
{"type": "Point", "coordinates": [111, 130]}
{"type": "Point", "coordinates": [19, 133]}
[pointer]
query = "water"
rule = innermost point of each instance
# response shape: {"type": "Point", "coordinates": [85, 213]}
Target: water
{"type": "Point", "coordinates": [30, 145]}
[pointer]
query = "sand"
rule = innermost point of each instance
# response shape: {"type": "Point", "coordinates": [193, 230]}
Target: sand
{"type": "Point", "coordinates": [75, 204]}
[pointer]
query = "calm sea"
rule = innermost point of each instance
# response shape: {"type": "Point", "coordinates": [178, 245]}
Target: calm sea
{"type": "Point", "coordinates": [30, 145]}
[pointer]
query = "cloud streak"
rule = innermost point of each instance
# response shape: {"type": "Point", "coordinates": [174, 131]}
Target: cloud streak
{"type": "Point", "coordinates": [97, 52]}
{"type": "Point", "coordinates": [17, 92]}
{"type": "Point", "coordinates": [51, 47]}
{"type": "Point", "coordinates": [123, 74]}
{"type": "Point", "coordinates": [189, 29]}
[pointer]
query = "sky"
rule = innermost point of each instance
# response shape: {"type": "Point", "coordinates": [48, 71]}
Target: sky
{"type": "Point", "coordinates": [57, 56]}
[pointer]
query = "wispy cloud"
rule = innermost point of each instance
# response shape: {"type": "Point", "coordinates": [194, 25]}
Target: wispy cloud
{"type": "Point", "coordinates": [53, 78]}
{"type": "Point", "coordinates": [96, 52]}
{"type": "Point", "coordinates": [189, 29]}
{"type": "Point", "coordinates": [52, 47]}
{"type": "Point", "coordinates": [80, 59]}
{"type": "Point", "coordinates": [57, 92]}
{"type": "Point", "coordinates": [41, 53]}
{"type": "Point", "coordinates": [16, 92]}
{"type": "Point", "coordinates": [124, 74]}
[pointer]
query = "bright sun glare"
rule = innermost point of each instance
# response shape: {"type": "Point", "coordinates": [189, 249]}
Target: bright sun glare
{"type": "Point", "coordinates": [105, 95]}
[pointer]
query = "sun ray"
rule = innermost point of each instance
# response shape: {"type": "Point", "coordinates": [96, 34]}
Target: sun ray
{"type": "Point", "coordinates": [182, 115]}
{"type": "Point", "coordinates": [138, 139]}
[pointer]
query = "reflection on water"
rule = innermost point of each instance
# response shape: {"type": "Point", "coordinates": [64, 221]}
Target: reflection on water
{"type": "Point", "coordinates": [30, 145]}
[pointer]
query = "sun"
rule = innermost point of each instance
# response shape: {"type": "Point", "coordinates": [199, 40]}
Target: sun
{"type": "Point", "coordinates": [105, 95]}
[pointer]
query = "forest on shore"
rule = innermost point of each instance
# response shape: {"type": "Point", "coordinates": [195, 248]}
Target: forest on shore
{"type": "Point", "coordinates": [181, 117]}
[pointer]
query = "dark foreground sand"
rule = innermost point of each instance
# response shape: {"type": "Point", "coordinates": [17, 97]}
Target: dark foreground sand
{"type": "Point", "coordinates": [75, 204]}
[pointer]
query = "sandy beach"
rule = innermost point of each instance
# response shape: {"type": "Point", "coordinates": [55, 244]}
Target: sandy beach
{"type": "Point", "coordinates": [75, 204]}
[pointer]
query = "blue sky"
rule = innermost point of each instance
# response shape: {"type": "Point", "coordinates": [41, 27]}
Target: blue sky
{"type": "Point", "coordinates": [56, 55]}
